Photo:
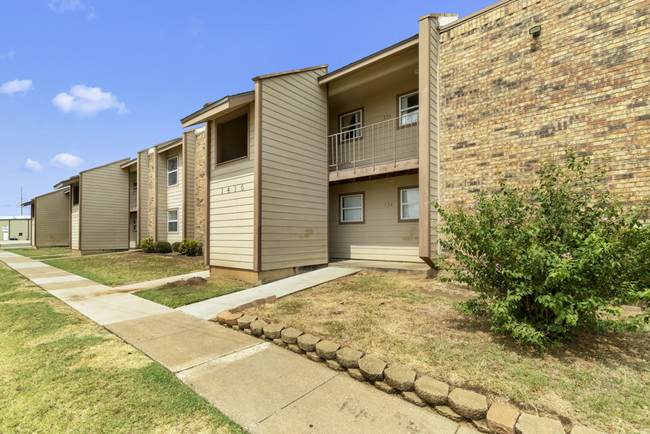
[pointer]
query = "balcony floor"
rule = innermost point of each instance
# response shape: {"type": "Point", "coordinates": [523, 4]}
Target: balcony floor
{"type": "Point", "coordinates": [379, 169]}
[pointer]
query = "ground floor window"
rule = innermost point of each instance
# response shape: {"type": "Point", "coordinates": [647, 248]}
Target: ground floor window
{"type": "Point", "coordinates": [409, 203]}
{"type": "Point", "coordinates": [135, 224]}
{"type": "Point", "coordinates": [351, 208]}
{"type": "Point", "coordinates": [172, 221]}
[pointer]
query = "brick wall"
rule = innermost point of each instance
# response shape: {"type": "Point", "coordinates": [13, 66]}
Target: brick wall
{"type": "Point", "coordinates": [201, 187]}
{"type": "Point", "coordinates": [509, 101]}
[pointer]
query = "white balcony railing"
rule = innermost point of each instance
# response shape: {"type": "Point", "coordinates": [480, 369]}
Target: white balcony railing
{"type": "Point", "coordinates": [385, 142]}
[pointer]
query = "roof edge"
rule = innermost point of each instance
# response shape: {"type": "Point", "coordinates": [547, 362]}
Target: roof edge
{"type": "Point", "coordinates": [211, 105]}
{"type": "Point", "coordinates": [292, 71]}
{"type": "Point", "coordinates": [473, 15]}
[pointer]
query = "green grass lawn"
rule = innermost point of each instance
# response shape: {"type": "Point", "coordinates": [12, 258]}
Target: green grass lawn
{"type": "Point", "coordinates": [37, 254]}
{"type": "Point", "coordinates": [124, 268]}
{"type": "Point", "coordinates": [182, 293]}
{"type": "Point", "coordinates": [60, 372]}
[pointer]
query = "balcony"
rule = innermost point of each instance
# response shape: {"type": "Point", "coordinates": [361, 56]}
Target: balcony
{"type": "Point", "coordinates": [388, 146]}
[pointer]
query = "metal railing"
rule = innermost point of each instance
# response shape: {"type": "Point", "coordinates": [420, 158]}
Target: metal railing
{"type": "Point", "coordinates": [385, 142]}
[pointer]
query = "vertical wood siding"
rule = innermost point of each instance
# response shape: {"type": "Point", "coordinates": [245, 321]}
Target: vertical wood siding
{"type": "Point", "coordinates": [232, 206]}
{"type": "Point", "coordinates": [381, 237]}
{"type": "Point", "coordinates": [434, 157]}
{"type": "Point", "coordinates": [294, 171]}
{"type": "Point", "coordinates": [104, 208]}
{"type": "Point", "coordinates": [52, 219]}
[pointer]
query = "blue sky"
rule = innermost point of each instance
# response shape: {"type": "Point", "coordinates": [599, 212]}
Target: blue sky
{"type": "Point", "coordinates": [87, 82]}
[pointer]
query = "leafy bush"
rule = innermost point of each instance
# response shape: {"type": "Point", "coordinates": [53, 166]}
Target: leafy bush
{"type": "Point", "coordinates": [175, 246]}
{"type": "Point", "coordinates": [147, 245]}
{"type": "Point", "coordinates": [552, 260]}
{"type": "Point", "coordinates": [189, 247]}
{"type": "Point", "coordinates": [163, 247]}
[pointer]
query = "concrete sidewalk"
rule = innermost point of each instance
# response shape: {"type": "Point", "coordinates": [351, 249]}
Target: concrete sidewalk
{"type": "Point", "coordinates": [264, 388]}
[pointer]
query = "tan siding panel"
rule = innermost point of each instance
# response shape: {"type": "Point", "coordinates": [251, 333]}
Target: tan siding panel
{"type": "Point", "coordinates": [232, 208]}
{"type": "Point", "coordinates": [381, 237]}
{"type": "Point", "coordinates": [74, 227]}
{"type": "Point", "coordinates": [104, 207]}
{"type": "Point", "coordinates": [294, 171]}
{"type": "Point", "coordinates": [52, 219]}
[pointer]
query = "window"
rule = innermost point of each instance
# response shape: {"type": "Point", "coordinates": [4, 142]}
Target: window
{"type": "Point", "coordinates": [135, 186]}
{"type": "Point", "coordinates": [351, 208]}
{"type": "Point", "coordinates": [408, 109]}
{"type": "Point", "coordinates": [172, 221]}
{"type": "Point", "coordinates": [350, 125]}
{"type": "Point", "coordinates": [232, 139]}
{"type": "Point", "coordinates": [75, 195]}
{"type": "Point", "coordinates": [172, 171]}
{"type": "Point", "coordinates": [135, 225]}
{"type": "Point", "coordinates": [409, 203]}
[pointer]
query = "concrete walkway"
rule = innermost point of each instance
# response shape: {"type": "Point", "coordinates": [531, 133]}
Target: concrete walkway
{"type": "Point", "coordinates": [264, 388]}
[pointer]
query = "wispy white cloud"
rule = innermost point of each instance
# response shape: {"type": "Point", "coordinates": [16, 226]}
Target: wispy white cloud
{"type": "Point", "coordinates": [66, 5]}
{"type": "Point", "coordinates": [11, 87]}
{"type": "Point", "coordinates": [33, 165]}
{"type": "Point", "coordinates": [8, 55]}
{"type": "Point", "coordinates": [88, 101]}
{"type": "Point", "coordinates": [66, 160]}
{"type": "Point", "coordinates": [62, 6]}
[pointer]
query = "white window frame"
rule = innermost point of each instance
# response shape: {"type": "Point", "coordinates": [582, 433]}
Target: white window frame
{"type": "Point", "coordinates": [169, 220]}
{"type": "Point", "coordinates": [402, 204]}
{"type": "Point", "coordinates": [169, 172]}
{"type": "Point", "coordinates": [407, 117]}
{"type": "Point", "coordinates": [343, 208]}
{"type": "Point", "coordinates": [352, 131]}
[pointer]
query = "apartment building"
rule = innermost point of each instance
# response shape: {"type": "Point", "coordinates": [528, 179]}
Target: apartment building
{"type": "Point", "coordinates": [313, 165]}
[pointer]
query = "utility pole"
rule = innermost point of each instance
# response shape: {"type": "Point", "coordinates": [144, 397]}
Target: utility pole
{"type": "Point", "coordinates": [21, 201]}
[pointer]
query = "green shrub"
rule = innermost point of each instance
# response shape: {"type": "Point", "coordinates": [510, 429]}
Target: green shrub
{"type": "Point", "coordinates": [147, 245]}
{"type": "Point", "coordinates": [552, 260]}
{"type": "Point", "coordinates": [163, 247]}
{"type": "Point", "coordinates": [189, 247]}
{"type": "Point", "coordinates": [175, 246]}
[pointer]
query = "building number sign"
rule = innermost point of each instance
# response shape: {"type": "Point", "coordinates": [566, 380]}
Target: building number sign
{"type": "Point", "coordinates": [232, 189]}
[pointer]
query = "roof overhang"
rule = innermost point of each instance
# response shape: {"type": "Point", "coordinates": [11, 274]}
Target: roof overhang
{"type": "Point", "coordinates": [27, 203]}
{"type": "Point", "coordinates": [293, 71]}
{"type": "Point", "coordinates": [166, 146]}
{"type": "Point", "coordinates": [129, 163]}
{"type": "Point", "coordinates": [214, 109]}
{"type": "Point", "coordinates": [67, 182]}
{"type": "Point", "coordinates": [369, 60]}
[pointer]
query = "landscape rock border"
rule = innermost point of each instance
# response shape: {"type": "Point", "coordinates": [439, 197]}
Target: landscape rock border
{"type": "Point", "coordinates": [455, 403]}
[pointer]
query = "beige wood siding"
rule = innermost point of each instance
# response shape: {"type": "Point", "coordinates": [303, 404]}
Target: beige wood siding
{"type": "Point", "coordinates": [52, 219]}
{"type": "Point", "coordinates": [74, 227]}
{"type": "Point", "coordinates": [170, 198]}
{"type": "Point", "coordinates": [189, 187]}
{"type": "Point", "coordinates": [232, 206]}
{"type": "Point", "coordinates": [144, 209]}
{"type": "Point", "coordinates": [294, 173]}
{"type": "Point", "coordinates": [381, 237]}
{"type": "Point", "coordinates": [104, 207]}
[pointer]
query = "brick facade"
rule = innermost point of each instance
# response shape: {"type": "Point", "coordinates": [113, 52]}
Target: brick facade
{"type": "Point", "coordinates": [509, 101]}
{"type": "Point", "coordinates": [201, 187]}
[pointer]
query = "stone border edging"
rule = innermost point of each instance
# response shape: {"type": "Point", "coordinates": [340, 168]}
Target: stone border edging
{"type": "Point", "coordinates": [457, 404]}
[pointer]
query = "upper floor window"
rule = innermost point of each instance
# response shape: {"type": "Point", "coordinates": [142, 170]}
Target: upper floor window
{"type": "Point", "coordinates": [409, 203]}
{"type": "Point", "coordinates": [172, 171]}
{"type": "Point", "coordinates": [134, 187]}
{"type": "Point", "coordinates": [350, 125]}
{"type": "Point", "coordinates": [232, 139]}
{"type": "Point", "coordinates": [75, 194]}
{"type": "Point", "coordinates": [409, 106]}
